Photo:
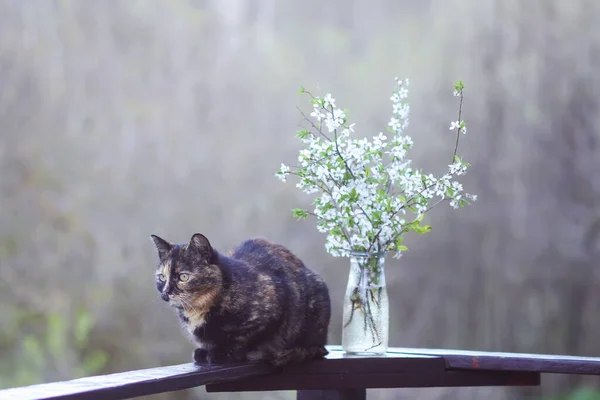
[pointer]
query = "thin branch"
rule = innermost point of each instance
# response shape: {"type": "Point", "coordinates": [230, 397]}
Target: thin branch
{"type": "Point", "coordinates": [406, 204]}
{"type": "Point", "coordinates": [337, 207]}
{"type": "Point", "coordinates": [339, 153]}
{"type": "Point", "coordinates": [337, 149]}
{"type": "Point", "coordinates": [310, 163]}
{"type": "Point", "coordinates": [313, 124]}
{"type": "Point", "coordinates": [435, 204]}
{"type": "Point", "coordinates": [393, 239]}
{"type": "Point", "coordinates": [458, 129]}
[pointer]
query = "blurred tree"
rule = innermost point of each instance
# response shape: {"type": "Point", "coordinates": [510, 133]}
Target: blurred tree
{"type": "Point", "coordinates": [121, 119]}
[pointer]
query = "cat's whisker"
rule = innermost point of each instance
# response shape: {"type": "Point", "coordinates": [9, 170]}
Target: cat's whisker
{"type": "Point", "coordinates": [187, 306]}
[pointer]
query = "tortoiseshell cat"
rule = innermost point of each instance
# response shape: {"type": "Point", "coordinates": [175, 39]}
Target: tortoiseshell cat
{"type": "Point", "coordinates": [259, 303]}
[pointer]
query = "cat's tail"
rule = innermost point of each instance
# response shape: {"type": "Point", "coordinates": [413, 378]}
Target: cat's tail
{"type": "Point", "coordinates": [298, 355]}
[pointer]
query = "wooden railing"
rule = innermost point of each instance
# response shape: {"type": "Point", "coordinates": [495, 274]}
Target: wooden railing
{"type": "Point", "coordinates": [337, 377]}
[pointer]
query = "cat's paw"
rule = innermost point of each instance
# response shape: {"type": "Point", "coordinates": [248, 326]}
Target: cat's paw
{"type": "Point", "coordinates": [201, 356]}
{"type": "Point", "coordinates": [219, 356]}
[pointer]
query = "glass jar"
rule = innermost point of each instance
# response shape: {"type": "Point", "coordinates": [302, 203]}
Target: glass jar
{"type": "Point", "coordinates": [366, 314]}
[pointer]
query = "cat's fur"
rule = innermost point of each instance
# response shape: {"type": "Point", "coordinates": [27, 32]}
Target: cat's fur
{"type": "Point", "coordinates": [259, 303]}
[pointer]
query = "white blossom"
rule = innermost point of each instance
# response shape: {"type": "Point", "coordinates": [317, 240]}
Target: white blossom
{"type": "Point", "coordinates": [334, 120]}
{"type": "Point", "coordinates": [367, 191]}
{"type": "Point", "coordinates": [317, 114]}
{"type": "Point", "coordinates": [283, 172]}
{"type": "Point", "coordinates": [403, 93]}
{"type": "Point", "coordinates": [395, 124]}
{"type": "Point", "coordinates": [457, 168]}
{"type": "Point", "coordinates": [379, 141]}
{"type": "Point", "coordinates": [328, 101]}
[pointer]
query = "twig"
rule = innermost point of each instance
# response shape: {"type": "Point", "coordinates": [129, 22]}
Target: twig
{"type": "Point", "coordinates": [313, 124]}
{"type": "Point", "coordinates": [458, 129]}
{"type": "Point", "coordinates": [376, 238]}
{"type": "Point", "coordinates": [337, 149]}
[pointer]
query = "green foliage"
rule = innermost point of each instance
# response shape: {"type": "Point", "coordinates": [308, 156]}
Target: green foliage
{"type": "Point", "coordinates": [582, 393]}
{"type": "Point", "coordinates": [299, 213]}
{"type": "Point", "coordinates": [459, 86]}
{"type": "Point", "coordinates": [108, 144]}
{"type": "Point", "coordinates": [366, 187]}
{"type": "Point", "coordinates": [9, 246]}
{"type": "Point", "coordinates": [49, 347]}
{"type": "Point", "coordinates": [302, 134]}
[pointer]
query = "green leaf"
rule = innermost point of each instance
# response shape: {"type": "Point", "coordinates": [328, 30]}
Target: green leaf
{"type": "Point", "coordinates": [376, 216]}
{"type": "Point", "coordinates": [84, 323]}
{"type": "Point", "coordinates": [94, 362]}
{"type": "Point", "coordinates": [56, 334]}
{"type": "Point", "coordinates": [353, 196]}
{"type": "Point", "coordinates": [421, 229]}
{"type": "Point", "coordinates": [302, 90]}
{"type": "Point", "coordinates": [459, 86]}
{"type": "Point", "coordinates": [399, 246]}
{"type": "Point", "coordinates": [299, 213]}
{"type": "Point", "coordinates": [33, 351]}
{"type": "Point", "coordinates": [302, 134]}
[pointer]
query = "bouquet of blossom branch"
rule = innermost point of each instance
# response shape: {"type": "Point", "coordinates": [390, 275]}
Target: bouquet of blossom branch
{"type": "Point", "coordinates": [369, 193]}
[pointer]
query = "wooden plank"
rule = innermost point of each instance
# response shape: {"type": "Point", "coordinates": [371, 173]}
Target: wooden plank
{"type": "Point", "coordinates": [400, 367]}
{"type": "Point", "coordinates": [481, 360]}
{"type": "Point", "coordinates": [380, 381]}
{"type": "Point", "coordinates": [341, 372]}
{"type": "Point", "coordinates": [450, 378]}
{"type": "Point", "coordinates": [131, 384]}
{"type": "Point", "coordinates": [352, 394]}
{"type": "Point", "coordinates": [339, 363]}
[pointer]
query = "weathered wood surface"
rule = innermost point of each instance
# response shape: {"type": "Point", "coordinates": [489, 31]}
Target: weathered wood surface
{"type": "Point", "coordinates": [126, 385]}
{"type": "Point", "coordinates": [401, 367]}
{"type": "Point", "coordinates": [348, 394]}
{"type": "Point", "coordinates": [395, 370]}
{"type": "Point", "coordinates": [481, 360]}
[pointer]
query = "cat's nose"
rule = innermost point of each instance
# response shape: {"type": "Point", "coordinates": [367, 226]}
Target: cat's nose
{"type": "Point", "coordinates": [164, 296]}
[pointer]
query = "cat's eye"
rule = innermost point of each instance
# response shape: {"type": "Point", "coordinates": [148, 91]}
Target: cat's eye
{"type": "Point", "coordinates": [161, 277]}
{"type": "Point", "coordinates": [184, 277]}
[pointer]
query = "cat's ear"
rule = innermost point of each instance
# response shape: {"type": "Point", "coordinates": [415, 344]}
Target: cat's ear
{"type": "Point", "coordinates": [162, 246]}
{"type": "Point", "coordinates": [200, 245]}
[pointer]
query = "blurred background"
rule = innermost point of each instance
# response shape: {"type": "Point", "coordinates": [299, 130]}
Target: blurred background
{"type": "Point", "coordinates": [119, 119]}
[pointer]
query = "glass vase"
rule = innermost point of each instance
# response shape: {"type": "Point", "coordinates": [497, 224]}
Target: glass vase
{"type": "Point", "coordinates": [366, 306]}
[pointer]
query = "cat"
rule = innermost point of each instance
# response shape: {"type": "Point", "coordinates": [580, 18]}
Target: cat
{"type": "Point", "coordinates": [259, 303]}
